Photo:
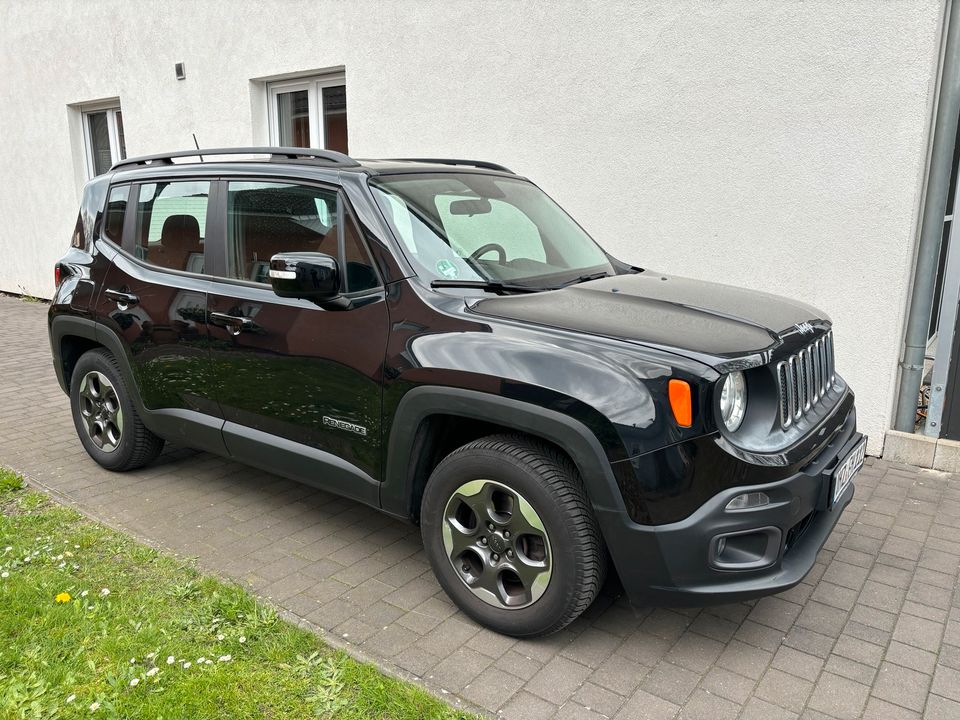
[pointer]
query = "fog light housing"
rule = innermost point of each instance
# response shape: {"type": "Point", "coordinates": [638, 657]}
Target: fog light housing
{"type": "Point", "coordinates": [748, 501]}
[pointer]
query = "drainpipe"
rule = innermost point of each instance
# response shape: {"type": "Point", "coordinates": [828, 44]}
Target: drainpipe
{"type": "Point", "coordinates": [931, 229]}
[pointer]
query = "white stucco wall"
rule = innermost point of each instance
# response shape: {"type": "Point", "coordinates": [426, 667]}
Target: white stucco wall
{"type": "Point", "coordinates": [779, 144]}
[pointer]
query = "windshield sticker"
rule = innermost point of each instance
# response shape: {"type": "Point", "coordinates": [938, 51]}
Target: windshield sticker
{"type": "Point", "coordinates": [447, 269]}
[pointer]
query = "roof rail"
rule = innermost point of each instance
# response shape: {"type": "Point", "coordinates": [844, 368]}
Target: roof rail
{"type": "Point", "coordinates": [278, 154]}
{"type": "Point", "coordinates": [446, 161]}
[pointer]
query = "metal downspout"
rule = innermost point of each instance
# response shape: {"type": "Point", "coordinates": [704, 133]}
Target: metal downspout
{"type": "Point", "coordinates": [931, 229]}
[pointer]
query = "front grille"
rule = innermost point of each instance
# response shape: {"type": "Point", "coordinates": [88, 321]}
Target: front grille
{"type": "Point", "coordinates": [804, 379]}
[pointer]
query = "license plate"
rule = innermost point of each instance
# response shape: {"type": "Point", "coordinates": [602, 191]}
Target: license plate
{"type": "Point", "coordinates": [847, 469]}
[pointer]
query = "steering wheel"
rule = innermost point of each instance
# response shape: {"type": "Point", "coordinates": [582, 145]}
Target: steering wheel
{"type": "Point", "coordinates": [484, 249]}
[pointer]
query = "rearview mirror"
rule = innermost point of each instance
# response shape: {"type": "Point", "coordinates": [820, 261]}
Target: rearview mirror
{"type": "Point", "coordinates": [477, 206]}
{"type": "Point", "coordinates": [311, 276]}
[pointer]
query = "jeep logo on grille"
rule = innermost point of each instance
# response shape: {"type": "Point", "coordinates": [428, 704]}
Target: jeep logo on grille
{"type": "Point", "coordinates": [344, 425]}
{"type": "Point", "coordinates": [804, 328]}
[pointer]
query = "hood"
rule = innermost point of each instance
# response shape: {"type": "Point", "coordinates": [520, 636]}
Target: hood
{"type": "Point", "coordinates": [710, 322]}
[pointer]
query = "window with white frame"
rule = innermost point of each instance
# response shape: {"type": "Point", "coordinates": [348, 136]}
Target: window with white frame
{"type": "Point", "coordinates": [309, 112]}
{"type": "Point", "coordinates": [103, 137]}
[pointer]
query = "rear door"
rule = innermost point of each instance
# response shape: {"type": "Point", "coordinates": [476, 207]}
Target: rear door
{"type": "Point", "coordinates": [154, 299]}
{"type": "Point", "coordinates": [299, 385]}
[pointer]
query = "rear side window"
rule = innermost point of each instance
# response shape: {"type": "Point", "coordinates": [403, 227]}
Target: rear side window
{"type": "Point", "coordinates": [171, 224]}
{"type": "Point", "coordinates": [264, 219]}
{"type": "Point", "coordinates": [116, 212]}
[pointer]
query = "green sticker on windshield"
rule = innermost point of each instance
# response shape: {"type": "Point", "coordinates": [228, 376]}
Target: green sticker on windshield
{"type": "Point", "coordinates": [447, 269]}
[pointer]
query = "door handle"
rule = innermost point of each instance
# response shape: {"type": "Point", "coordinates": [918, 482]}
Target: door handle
{"type": "Point", "coordinates": [123, 299]}
{"type": "Point", "coordinates": [234, 323]}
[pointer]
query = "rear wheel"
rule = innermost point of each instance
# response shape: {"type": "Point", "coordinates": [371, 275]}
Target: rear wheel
{"type": "Point", "coordinates": [106, 420]}
{"type": "Point", "coordinates": [511, 537]}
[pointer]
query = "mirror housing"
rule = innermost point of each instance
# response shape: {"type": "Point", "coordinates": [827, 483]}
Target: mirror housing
{"type": "Point", "coordinates": [311, 276]}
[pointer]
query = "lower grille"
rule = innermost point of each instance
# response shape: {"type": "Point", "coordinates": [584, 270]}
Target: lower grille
{"type": "Point", "coordinates": [804, 379]}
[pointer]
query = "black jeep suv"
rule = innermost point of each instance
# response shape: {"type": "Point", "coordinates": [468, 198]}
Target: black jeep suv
{"type": "Point", "coordinates": [440, 340]}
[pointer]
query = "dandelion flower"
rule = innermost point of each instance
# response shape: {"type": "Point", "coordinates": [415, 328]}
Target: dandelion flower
{"type": "Point", "coordinates": [104, 592]}
{"type": "Point", "coordinates": [70, 698]}
{"type": "Point", "coordinates": [63, 597]}
{"type": "Point", "coordinates": [134, 682]}
{"type": "Point", "coordinates": [94, 706]}
{"type": "Point", "coordinates": [170, 659]}
{"type": "Point", "coordinates": [152, 671]}
{"type": "Point", "coordinates": [225, 658]}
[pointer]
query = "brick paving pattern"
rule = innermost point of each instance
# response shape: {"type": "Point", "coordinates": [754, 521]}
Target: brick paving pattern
{"type": "Point", "coordinates": [873, 632]}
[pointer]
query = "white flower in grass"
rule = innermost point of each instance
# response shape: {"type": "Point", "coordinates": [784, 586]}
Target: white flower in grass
{"type": "Point", "coordinates": [70, 698]}
{"type": "Point", "coordinates": [151, 656]}
{"type": "Point", "coordinates": [94, 706]}
{"type": "Point", "coordinates": [84, 593]}
{"type": "Point", "coordinates": [220, 636]}
{"type": "Point", "coordinates": [170, 659]}
{"type": "Point", "coordinates": [134, 682]}
{"type": "Point", "coordinates": [4, 574]}
{"type": "Point", "coordinates": [186, 665]}
{"type": "Point", "coordinates": [104, 592]}
{"type": "Point", "coordinates": [8, 548]}
{"type": "Point", "coordinates": [201, 660]}
{"type": "Point", "coordinates": [242, 639]}
{"type": "Point", "coordinates": [225, 658]}
{"type": "Point", "coordinates": [208, 661]}
{"type": "Point", "coordinates": [152, 671]}
{"type": "Point", "coordinates": [132, 660]}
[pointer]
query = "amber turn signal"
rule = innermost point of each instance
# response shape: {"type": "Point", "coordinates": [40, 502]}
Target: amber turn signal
{"type": "Point", "coordinates": [681, 402]}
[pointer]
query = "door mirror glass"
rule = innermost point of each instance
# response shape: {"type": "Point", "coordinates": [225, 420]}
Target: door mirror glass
{"type": "Point", "coordinates": [311, 276]}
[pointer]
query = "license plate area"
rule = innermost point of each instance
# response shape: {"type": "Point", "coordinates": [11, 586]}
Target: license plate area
{"type": "Point", "coordinates": [846, 470]}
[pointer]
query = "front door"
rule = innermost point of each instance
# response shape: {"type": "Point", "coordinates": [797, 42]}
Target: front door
{"type": "Point", "coordinates": [299, 385]}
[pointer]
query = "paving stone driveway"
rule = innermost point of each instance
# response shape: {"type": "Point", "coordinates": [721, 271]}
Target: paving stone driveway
{"type": "Point", "coordinates": [873, 632]}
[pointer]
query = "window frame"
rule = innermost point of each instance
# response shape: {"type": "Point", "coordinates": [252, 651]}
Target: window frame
{"type": "Point", "coordinates": [218, 245]}
{"type": "Point", "coordinates": [314, 86]}
{"type": "Point", "coordinates": [117, 152]}
{"type": "Point", "coordinates": [131, 223]}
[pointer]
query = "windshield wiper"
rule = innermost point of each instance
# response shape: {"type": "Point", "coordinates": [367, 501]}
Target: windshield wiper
{"type": "Point", "coordinates": [585, 278]}
{"type": "Point", "coordinates": [491, 285]}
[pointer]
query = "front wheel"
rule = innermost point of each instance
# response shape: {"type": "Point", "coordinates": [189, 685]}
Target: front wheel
{"type": "Point", "coordinates": [510, 535]}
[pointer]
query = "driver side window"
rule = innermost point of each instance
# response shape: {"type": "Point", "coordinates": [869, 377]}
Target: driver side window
{"type": "Point", "coordinates": [469, 225]}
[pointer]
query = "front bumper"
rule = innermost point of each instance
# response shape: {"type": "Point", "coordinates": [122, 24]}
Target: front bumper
{"type": "Point", "coordinates": [676, 564]}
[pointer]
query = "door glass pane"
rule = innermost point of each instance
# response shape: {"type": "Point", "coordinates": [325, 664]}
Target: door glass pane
{"type": "Point", "coordinates": [121, 143]}
{"type": "Point", "coordinates": [335, 118]}
{"type": "Point", "coordinates": [171, 220]}
{"type": "Point", "coordinates": [99, 142]}
{"type": "Point", "coordinates": [293, 117]}
{"type": "Point", "coordinates": [264, 219]}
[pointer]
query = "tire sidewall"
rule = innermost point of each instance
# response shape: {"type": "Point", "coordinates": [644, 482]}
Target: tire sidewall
{"type": "Point", "coordinates": [99, 361]}
{"type": "Point", "coordinates": [539, 617]}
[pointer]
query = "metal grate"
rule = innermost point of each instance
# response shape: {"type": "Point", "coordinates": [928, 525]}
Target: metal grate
{"type": "Point", "coordinates": [804, 379]}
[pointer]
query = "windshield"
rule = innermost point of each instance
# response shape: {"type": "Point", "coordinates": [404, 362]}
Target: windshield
{"type": "Point", "coordinates": [462, 226]}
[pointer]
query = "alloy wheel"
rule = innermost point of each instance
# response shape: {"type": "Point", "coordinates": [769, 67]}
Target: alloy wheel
{"type": "Point", "coordinates": [497, 544]}
{"type": "Point", "coordinates": [101, 411]}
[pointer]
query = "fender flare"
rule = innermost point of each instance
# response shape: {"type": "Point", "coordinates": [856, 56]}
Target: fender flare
{"type": "Point", "coordinates": [574, 437]}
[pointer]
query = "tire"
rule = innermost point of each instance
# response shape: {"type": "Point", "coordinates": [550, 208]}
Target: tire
{"type": "Point", "coordinates": [105, 417]}
{"type": "Point", "coordinates": [513, 579]}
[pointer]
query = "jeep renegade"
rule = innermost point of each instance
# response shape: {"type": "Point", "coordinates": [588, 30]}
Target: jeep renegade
{"type": "Point", "coordinates": [440, 340]}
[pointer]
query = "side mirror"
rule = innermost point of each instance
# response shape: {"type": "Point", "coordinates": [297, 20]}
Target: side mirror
{"type": "Point", "coordinates": [311, 276]}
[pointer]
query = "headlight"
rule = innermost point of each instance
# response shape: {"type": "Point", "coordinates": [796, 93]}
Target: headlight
{"type": "Point", "coordinates": [733, 400]}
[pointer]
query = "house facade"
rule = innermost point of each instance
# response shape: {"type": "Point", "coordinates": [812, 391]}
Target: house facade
{"type": "Point", "coordinates": [783, 146]}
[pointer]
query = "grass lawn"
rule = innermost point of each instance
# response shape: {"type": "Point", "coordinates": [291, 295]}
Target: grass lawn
{"type": "Point", "coordinates": [93, 623]}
